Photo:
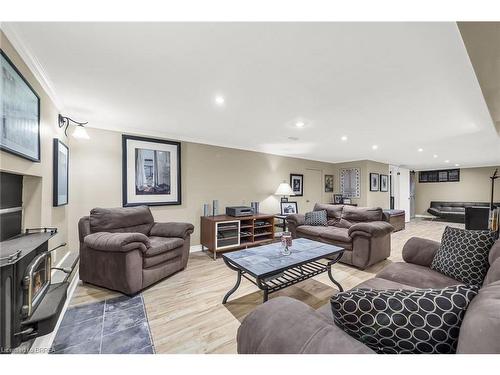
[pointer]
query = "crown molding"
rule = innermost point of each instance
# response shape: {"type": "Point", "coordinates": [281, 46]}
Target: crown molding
{"type": "Point", "coordinates": [31, 61]}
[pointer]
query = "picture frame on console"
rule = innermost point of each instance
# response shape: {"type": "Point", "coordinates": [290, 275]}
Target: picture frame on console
{"type": "Point", "coordinates": [297, 184]}
{"type": "Point", "coordinates": [374, 182]}
{"type": "Point", "coordinates": [337, 198]}
{"type": "Point", "coordinates": [288, 208]}
{"type": "Point", "coordinates": [60, 185]}
{"type": "Point", "coordinates": [384, 183]}
{"type": "Point", "coordinates": [151, 171]}
{"type": "Point", "coordinates": [20, 107]}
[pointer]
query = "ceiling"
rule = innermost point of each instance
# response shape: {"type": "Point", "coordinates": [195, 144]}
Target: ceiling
{"type": "Point", "coordinates": [400, 86]}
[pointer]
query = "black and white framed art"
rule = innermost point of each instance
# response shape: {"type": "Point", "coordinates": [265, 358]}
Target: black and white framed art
{"type": "Point", "coordinates": [60, 170]}
{"type": "Point", "coordinates": [151, 171]}
{"type": "Point", "coordinates": [289, 208]}
{"type": "Point", "coordinates": [20, 113]}
{"type": "Point", "coordinates": [374, 182]}
{"type": "Point", "coordinates": [297, 184]}
{"type": "Point", "coordinates": [384, 183]}
{"type": "Point", "coordinates": [328, 183]}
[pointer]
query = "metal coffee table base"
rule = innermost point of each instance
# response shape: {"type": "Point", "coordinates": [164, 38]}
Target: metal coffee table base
{"type": "Point", "coordinates": [284, 278]}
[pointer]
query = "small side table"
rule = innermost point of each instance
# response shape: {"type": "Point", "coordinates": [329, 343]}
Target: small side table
{"type": "Point", "coordinates": [281, 225]}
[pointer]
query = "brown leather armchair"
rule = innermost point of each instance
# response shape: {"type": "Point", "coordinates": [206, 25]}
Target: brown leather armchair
{"type": "Point", "coordinates": [125, 250]}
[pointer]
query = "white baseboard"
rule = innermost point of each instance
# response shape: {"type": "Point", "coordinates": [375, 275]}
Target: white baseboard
{"type": "Point", "coordinates": [425, 216]}
{"type": "Point", "coordinates": [195, 248]}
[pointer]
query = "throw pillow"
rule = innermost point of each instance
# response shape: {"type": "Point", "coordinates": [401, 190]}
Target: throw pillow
{"type": "Point", "coordinates": [316, 218]}
{"type": "Point", "coordinates": [463, 255]}
{"type": "Point", "coordinates": [404, 321]}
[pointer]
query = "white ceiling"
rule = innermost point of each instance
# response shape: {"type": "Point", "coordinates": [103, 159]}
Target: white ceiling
{"type": "Point", "coordinates": [401, 86]}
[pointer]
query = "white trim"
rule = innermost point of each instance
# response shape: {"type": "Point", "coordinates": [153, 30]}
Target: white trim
{"type": "Point", "coordinates": [195, 248]}
{"type": "Point", "coordinates": [32, 62]}
{"type": "Point", "coordinates": [426, 216]}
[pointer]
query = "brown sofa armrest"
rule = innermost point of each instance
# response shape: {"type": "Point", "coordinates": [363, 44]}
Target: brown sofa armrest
{"type": "Point", "coordinates": [121, 242]}
{"type": "Point", "coordinates": [420, 251]}
{"type": "Point", "coordinates": [370, 229]}
{"type": "Point", "coordinates": [286, 325]}
{"type": "Point", "coordinates": [297, 219]}
{"type": "Point", "coordinates": [181, 230]}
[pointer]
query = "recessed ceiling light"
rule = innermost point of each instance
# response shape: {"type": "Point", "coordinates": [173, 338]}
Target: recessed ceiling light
{"type": "Point", "coordinates": [219, 100]}
{"type": "Point", "coordinates": [344, 138]}
{"type": "Point", "coordinates": [434, 156]}
{"type": "Point", "coordinates": [446, 161]}
{"type": "Point", "coordinates": [420, 150]}
{"type": "Point", "coordinates": [374, 147]}
{"type": "Point", "coordinates": [300, 124]}
{"type": "Point", "coordinates": [457, 165]}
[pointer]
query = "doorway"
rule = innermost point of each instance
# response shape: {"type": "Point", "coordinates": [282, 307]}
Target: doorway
{"type": "Point", "coordinates": [313, 189]}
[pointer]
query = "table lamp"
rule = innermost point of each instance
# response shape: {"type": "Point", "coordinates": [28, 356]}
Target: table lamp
{"type": "Point", "coordinates": [284, 189]}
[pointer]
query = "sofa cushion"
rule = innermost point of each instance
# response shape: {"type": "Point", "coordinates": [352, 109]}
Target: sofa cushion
{"type": "Point", "coordinates": [480, 331]}
{"type": "Point", "coordinates": [311, 230]}
{"type": "Point", "coordinates": [335, 234]}
{"type": "Point", "coordinates": [316, 218]}
{"type": "Point", "coordinates": [161, 245]}
{"type": "Point", "coordinates": [416, 276]}
{"type": "Point", "coordinates": [360, 214]}
{"type": "Point", "coordinates": [463, 254]}
{"type": "Point", "coordinates": [404, 321]}
{"type": "Point", "coordinates": [122, 219]}
{"type": "Point", "coordinates": [152, 261]}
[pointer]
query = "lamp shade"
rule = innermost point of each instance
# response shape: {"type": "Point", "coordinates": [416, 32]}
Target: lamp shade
{"type": "Point", "coordinates": [284, 189]}
{"type": "Point", "coordinates": [80, 132]}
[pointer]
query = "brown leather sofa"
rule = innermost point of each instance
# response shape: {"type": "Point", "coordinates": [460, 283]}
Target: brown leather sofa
{"type": "Point", "coordinates": [364, 232]}
{"type": "Point", "coordinates": [286, 325]}
{"type": "Point", "coordinates": [125, 250]}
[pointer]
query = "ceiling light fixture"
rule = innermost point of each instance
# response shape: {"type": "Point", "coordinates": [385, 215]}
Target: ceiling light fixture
{"type": "Point", "coordinates": [79, 131]}
{"type": "Point", "coordinates": [300, 124]}
{"type": "Point", "coordinates": [446, 161]}
{"type": "Point", "coordinates": [420, 150]}
{"type": "Point", "coordinates": [434, 156]}
{"type": "Point", "coordinates": [457, 165]}
{"type": "Point", "coordinates": [344, 138]}
{"type": "Point", "coordinates": [374, 147]}
{"type": "Point", "coordinates": [219, 100]}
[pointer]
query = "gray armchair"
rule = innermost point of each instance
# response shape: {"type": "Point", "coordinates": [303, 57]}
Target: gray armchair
{"type": "Point", "coordinates": [125, 250]}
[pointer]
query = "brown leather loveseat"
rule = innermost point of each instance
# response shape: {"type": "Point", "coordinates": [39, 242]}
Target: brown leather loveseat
{"type": "Point", "coordinates": [125, 250]}
{"type": "Point", "coordinates": [364, 232]}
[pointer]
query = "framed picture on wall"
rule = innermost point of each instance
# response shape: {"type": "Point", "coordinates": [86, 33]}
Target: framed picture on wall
{"type": "Point", "coordinates": [328, 183]}
{"type": "Point", "coordinates": [289, 208]}
{"type": "Point", "coordinates": [374, 182]}
{"type": "Point", "coordinates": [384, 183]}
{"type": "Point", "coordinates": [151, 171]}
{"type": "Point", "coordinates": [297, 184]}
{"type": "Point", "coordinates": [20, 113]}
{"type": "Point", "coordinates": [60, 185]}
{"type": "Point", "coordinates": [350, 186]}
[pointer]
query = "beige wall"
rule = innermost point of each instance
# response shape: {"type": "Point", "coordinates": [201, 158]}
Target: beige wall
{"type": "Point", "coordinates": [37, 183]}
{"type": "Point", "coordinates": [368, 198]}
{"type": "Point", "coordinates": [474, 186]}
{"type": "Point", "coordinates": [234, 177]}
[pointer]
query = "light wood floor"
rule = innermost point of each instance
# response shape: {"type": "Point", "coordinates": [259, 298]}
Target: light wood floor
{"type": "Point", "coordinates": [186, 314]}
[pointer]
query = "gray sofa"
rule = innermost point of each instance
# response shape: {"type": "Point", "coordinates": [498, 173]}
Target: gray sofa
{"type": "Point", "coordinates": [364, 232]}
{"type": "Point", "coordinates": [125, 250]}
{"type": "Point", "coordinates": [286, 325]}
{"type": "Point", "coordinates": [454, 211]}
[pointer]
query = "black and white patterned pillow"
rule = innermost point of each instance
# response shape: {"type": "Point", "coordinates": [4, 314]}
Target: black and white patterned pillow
{"type": "Point", "coordinates": [404, 321]}
{"type": "Point", "coordinates": [463, 255]}
{"type": "Point", "coordinates": [316, 218]}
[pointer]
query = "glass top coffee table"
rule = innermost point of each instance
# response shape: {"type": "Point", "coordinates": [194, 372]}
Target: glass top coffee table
{"type": "Point", "coordinates": [271, 271]}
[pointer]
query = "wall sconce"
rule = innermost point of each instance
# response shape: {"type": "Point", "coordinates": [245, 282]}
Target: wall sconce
{"type": "Point", "coordinates": [79, 131]}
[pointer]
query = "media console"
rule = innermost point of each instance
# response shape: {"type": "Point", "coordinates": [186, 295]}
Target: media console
{"type": "Point", "coordinates": [224, 233]}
